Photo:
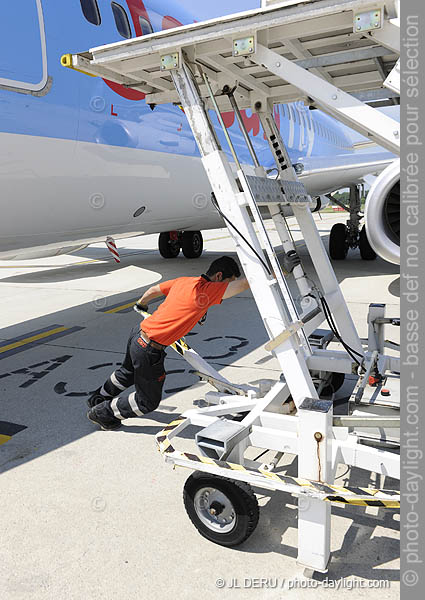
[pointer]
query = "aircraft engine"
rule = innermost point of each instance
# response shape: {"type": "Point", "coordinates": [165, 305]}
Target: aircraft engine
{"type": "Point", "coordinates": [382, 214]}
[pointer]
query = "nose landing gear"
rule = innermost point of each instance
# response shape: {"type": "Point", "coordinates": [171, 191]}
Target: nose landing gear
{"type": "Point", "coordinates": [343, 237]}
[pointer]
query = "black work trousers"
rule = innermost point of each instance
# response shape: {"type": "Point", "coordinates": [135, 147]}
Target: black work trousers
{"type": "Point", "coordinates": [143, 367]}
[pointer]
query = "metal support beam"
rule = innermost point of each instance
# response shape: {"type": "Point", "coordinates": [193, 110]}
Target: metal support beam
{"type": "Point", "coordinates": [314, 462]}
{"type": "Point", "coordinates": [338, 58]}
{"type": "Point", "coordinates": [388, 36]}
{"type": "Point", "coordinates": [311, 237]}
{"type": "Point", "coordinates": [266, 292]}
{"type": "Point", "coordinates": [339, 104]}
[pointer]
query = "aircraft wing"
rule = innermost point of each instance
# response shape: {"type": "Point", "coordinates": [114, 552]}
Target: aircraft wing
{"type": "Point", "coordinates": [326, 174]}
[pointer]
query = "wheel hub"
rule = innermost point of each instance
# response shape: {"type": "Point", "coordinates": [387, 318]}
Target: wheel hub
{"type": "Point", "coordinates": [215, 510]}
{"type": "Point", "coordinates": [196, 243]}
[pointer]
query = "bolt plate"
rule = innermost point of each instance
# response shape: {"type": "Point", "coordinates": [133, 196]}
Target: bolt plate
{"type": "Point", "coordinates": [244, 46]}
{"type": "Point", "coordinates": [368, 21]}
{"type": "Point", "coordinates": [169, 62]}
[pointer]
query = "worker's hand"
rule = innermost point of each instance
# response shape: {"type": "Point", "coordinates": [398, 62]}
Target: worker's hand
{"type": "Point", "coordinates": [290, 261]}
{"type": "Point", "coordinates": [141, 307]}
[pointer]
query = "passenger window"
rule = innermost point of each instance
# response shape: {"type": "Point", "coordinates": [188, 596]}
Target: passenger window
{"type": "Point", "coordinates": [91, 11]}
{"type": "Point", "coordinates": [121, 20]}
{"type": "Point", "coordinates": [145, 26]}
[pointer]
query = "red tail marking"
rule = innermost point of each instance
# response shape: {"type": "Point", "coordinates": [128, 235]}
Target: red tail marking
{"type": "Point", "coordinates": [137, 9]}
{"type": "Point", "coordinates": [228, 118]}
{"type": "Point", "coordinates": [112, 111]}
{"type": "Point", "coordinates": [170, 22]}
{"type": "Point", "coordinates": [124, 92]}
{"type": "Point", "coordinates": [252, 123]}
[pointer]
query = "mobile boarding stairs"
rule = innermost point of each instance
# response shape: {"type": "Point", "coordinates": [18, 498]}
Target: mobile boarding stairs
{"type": "Point", "coordinates": [323, 53]}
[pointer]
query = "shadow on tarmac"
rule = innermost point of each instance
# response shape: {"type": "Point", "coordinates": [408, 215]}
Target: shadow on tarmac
{"type": "Point", "coordinates": [49, 396]}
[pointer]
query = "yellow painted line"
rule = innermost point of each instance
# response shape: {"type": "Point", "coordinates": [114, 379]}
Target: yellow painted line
{"type": "Point", "coordinates": [4, 438]}
{"type": "Point", "coordinates": [118, 308]}
{"type": "Point", "coordinates": [33, 338]}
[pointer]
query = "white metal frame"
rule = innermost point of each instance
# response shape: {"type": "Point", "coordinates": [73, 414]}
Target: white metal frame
{"type": "Point", "coordinates": [194, 65]}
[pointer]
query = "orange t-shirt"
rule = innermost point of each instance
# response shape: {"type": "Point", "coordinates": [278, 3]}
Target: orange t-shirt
{"type": "Point", "coordinates": [188, 299]}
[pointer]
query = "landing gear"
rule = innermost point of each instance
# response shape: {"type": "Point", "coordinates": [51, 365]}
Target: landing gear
{"type": "Point", "coordinates": [338, 243]}
{"type": "Point", "coordinates": [192, 244]}
{"type": "Point", "coordinates": [223, 511]}
{"type": "Point", "coordinates": [168, 244]}
{"type": "Point", "coordinates": [366, 250]}
{"type": "Point", "coordinates": [347, 236]}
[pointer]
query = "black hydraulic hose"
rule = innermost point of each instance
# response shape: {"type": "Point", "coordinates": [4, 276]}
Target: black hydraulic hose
{"type": "Point", "coordinates": [326, 310]}
{"type": "Point", "coordinates": [350, 351]}
{"type": "Point", "coordinates": [216, 206]}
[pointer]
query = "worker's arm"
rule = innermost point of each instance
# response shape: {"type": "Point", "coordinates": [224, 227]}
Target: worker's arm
{"type": "Point", "coordinates": [236, 287]}
{"type": "Point", "coordinates": [152, 293]}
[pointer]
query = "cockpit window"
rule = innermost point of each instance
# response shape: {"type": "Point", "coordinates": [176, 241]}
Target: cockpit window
{"type": "Point", "coordinates": [145, 26]}
{"type": "Point", "coordinates": [91, 11]}
{"type": "Point", "coordinates": [121, 20]}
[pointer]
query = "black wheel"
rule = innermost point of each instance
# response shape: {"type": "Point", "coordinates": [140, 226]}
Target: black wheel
{"type": "Point", "coordinates": [223, 511]}
{"type": "Point", "coordinates": [366, 250]}
{"type": "Point", "coordinates": [192, 244]}
{"type": "Point", "coordinates": [336, 381]}
{"type": "Point", "coordinates": [168, 248]}
{"type": "Point", "coordinates": [338, 246]}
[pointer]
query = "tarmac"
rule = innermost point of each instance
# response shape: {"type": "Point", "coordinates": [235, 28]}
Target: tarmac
{"type": "Point", "coordinates": [99, 515]}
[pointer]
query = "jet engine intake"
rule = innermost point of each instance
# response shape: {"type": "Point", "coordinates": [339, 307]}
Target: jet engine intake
{"type": "Point", "coordinates": [382, 214]}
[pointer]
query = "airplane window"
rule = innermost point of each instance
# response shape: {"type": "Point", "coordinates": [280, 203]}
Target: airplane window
{"type": "Point", "coordinates": [91, 11]}
{"type": "Point", "coordinates": [121, 20]}
{"type": "Point", "coordinates": [145, 26]}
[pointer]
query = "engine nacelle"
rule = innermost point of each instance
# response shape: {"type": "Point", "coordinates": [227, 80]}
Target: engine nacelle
{"type": "Point", "coordinates": [382, 214]}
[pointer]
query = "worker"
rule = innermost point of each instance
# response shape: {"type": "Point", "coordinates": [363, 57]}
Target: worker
{"type": "Point", "coordinates": [186, 303]}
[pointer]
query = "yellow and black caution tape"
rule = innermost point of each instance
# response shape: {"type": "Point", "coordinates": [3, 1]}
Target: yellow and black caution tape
{"type": "Point", "coordinates": [357, 496]}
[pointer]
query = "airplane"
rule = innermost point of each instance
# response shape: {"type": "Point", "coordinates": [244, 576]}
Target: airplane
{"type": "Point", "coordinates": [84, 159]}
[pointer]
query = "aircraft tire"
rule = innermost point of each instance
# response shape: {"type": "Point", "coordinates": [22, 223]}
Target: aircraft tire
{"type": "Point", "coordinates": [338, 246]}
{"type": "Point", "coordinates": [168, 248]}
{"type": "Point", "coordinates": [192, 244]}
{"type": "Point", "coordinates": [366, 250]}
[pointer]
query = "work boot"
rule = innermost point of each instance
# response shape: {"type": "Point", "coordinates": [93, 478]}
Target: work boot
{"type": "Point", "coordinates": [106, 422]}
{"type": "Point", "coordinates": [96, 398]}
